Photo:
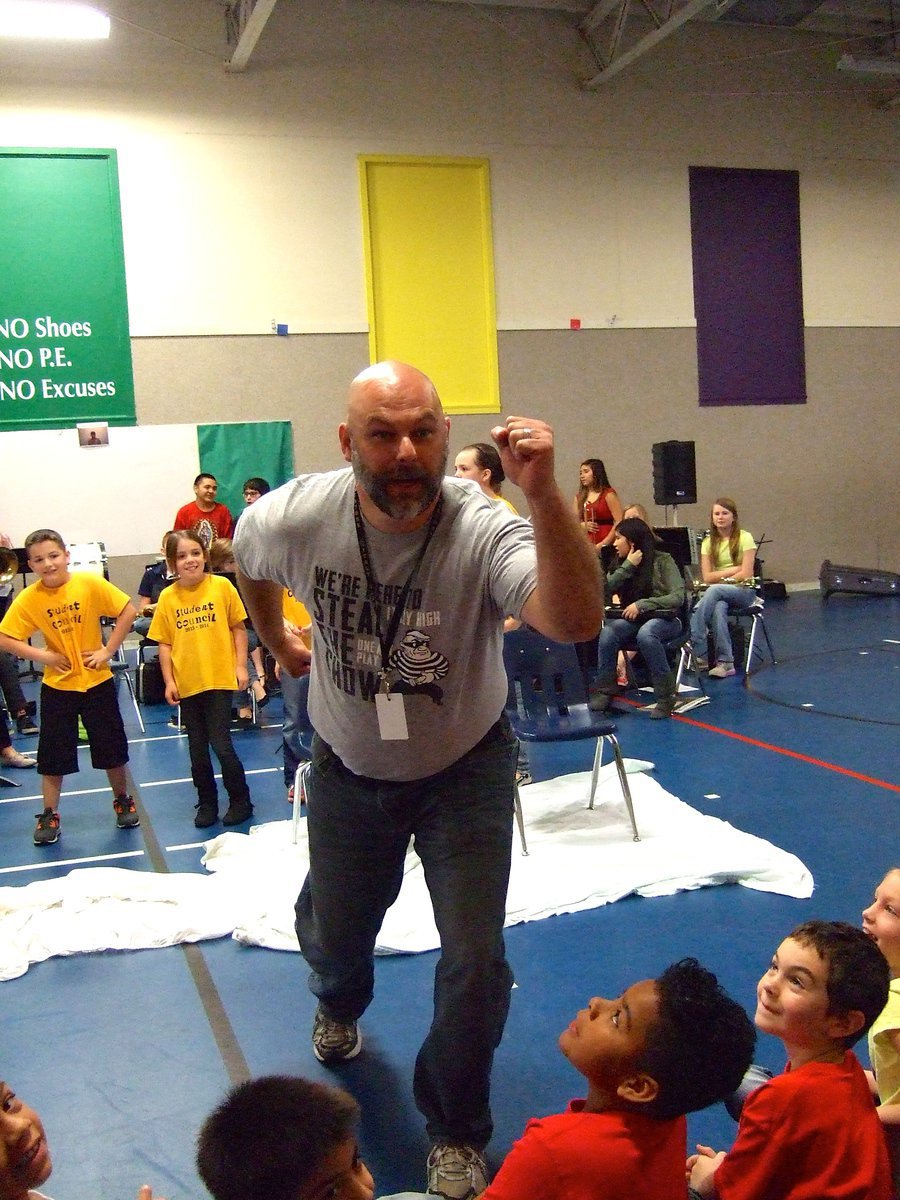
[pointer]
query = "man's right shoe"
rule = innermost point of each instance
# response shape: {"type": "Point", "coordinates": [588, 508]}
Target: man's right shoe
{"type": "Point", "coordinates": [334, 1041]}
{"type": "Point", "coordinates": [207, 814]}
{"type": "Point", "coordinates": [456, 1172]}
{"type": "Point", "coordinates": [47, 830]}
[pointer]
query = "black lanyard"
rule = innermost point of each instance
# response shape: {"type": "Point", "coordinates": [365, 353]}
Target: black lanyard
{"type": "Point", "coordinates": [388, 640]}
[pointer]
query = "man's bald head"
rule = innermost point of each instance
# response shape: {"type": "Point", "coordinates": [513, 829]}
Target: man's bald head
{"type": "Point", "coordinates": [389, 383]}
{"type": "Point", "coordinates": [397, 438]}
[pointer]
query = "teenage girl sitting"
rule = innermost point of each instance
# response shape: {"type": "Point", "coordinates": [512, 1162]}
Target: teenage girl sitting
{"type": "Point", "coordinates": [727, 556]}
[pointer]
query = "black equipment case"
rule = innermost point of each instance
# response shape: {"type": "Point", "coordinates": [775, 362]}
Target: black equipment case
{"type": "Point", "coordinates": [865, 580]}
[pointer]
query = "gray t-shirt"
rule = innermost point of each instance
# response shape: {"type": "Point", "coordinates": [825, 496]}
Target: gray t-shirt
{"type": "Point", "coordinates": [447, 655]}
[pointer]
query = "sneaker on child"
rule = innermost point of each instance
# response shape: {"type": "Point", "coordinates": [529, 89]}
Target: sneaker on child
{"type": "Point", "coordinates": [47, 829]}
{"type": "Point", "coordinates": [126, 814]}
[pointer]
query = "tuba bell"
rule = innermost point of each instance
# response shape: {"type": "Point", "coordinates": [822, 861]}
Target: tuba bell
{"type": "Point", "coordinates": [9, 565]}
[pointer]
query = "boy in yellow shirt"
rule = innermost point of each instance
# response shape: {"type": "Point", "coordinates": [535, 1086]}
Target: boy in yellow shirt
{"type": "Point", "coordinates": [66, 608]}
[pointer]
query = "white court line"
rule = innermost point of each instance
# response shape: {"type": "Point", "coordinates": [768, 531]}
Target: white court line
{"type": "Point", "coordinates": [151, 784]}
{"type": "Point", "coordinates": [72, 862]}
{"type": "Point", "coordinates": [187, 779]}
{"type": "Point", "coordinates": [186, 846]}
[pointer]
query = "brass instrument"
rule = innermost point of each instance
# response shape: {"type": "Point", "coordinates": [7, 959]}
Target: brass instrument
{"type": "Point", "coordinates": [9, 565]}
{"type": "Point", "coordinates": [754, 582]}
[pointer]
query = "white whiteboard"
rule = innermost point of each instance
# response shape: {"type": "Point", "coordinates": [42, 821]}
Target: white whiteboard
{"type": "Point", "coordinates": [125, 494]}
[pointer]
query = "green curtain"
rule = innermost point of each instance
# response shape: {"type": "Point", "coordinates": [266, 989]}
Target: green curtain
{"type": "Point", "coordinates": [240, 449]}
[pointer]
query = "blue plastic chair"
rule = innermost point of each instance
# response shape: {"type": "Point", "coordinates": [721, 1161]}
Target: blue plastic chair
{"type": "Point", "coordinates": [547, 702]}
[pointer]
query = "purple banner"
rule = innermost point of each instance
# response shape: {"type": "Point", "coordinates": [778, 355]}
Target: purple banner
{"type": "Point", "coordinates": [748, 293]}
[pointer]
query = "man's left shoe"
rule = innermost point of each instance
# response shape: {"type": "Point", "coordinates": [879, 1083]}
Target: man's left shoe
{"type": "Point", "coordinates": [456, 1172]}
{"type": "Point", "coordinates": [237, 812]}
{"type": "Point", "coordinates": [334, 1041]}
{"type": "Point", "coordinates": [126, 814]}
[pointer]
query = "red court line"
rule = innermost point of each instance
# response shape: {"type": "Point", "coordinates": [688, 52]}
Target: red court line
{"type": "Point", "coordinates": [816, 762]}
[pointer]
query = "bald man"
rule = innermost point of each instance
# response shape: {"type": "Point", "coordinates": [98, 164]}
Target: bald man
{"type": "Point", "coordinates": [408, 576]}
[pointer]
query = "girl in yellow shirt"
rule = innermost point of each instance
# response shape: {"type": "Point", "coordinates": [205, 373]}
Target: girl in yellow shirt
{"type": "Point", "coordinates": [199, 624]}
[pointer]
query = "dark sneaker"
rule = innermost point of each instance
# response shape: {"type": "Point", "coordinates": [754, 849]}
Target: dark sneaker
{"type": "Point", "coordinates": [237, 812]}
{"type": "Point", "coordinates": [456, 1172]}
{"type": "Point", "coordinates": [46, 831]}
{"type": "Point", "coordinates": [335, 1041]}
{"type": "Point", "coordinates": [207, 814]}
{"type": "Point", "coordinates": [26, 726]}
{"type": "Point", "coordinates": [126, 813]}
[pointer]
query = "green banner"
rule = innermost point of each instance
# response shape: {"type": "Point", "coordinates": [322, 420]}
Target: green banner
{"type": "Point", "coordinates": [241, 449]}
{"type": "Point", "coordinates": [65, 350]}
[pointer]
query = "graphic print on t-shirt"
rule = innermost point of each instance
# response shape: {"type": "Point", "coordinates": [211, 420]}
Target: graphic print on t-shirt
{"type": "Point", "coordinates": [352, 619]}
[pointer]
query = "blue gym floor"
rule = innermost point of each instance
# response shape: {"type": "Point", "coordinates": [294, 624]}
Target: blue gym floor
{"type": "Point", "coordinates": [123, 1054]}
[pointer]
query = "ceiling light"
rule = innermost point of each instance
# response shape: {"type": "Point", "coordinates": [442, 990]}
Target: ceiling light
{"type": "Point", "coordinates": [51, 19]}
{"type": "Point", "coordinates": [869, 66]}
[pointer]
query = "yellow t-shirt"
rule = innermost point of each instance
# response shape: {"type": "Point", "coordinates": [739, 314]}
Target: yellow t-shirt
{"type": "Point", "coordinates": [196, 623]}
{"type": "Point", "coordinates": [292, 610]}
{"type": "Point", "coordinates": [69, 619]}
{"type": "Point", "coordinates": [503, 500]}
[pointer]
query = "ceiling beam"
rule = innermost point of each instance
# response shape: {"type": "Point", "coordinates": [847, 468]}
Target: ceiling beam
{"type": "Point", "coordinates": [616, 59]}
{"type": "Point", "coordinates": [244, 22]}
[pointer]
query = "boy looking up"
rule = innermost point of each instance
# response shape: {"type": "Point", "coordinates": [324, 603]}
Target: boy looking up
{"type": "Point", "coordinates": [280, 1137]}
{"type": "Point", "coordinates": [66, 609]}
{"type": "Point", "coordinates": [664, 1048]}
{"type": "Point", "coordinates": [811, 1133]}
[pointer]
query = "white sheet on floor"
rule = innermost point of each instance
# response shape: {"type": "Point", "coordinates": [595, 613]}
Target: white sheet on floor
{"type": "Point", "coordinates": [577, 859]}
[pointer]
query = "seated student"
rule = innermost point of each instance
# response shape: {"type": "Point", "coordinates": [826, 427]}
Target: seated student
{"type": "Point", "coordinates": [16, 704]}
{"type": "Point", "coordinates": [665, 1047]}
{"type": "Point", "coordinates": [25, 1161]}
{"type": "Point", "coordinates": [284, 1138]}
{"type": "Point", "coordinates": [811, 1133]}
{"type": "Point", "coordinates": [9, 756]}
{"type": "Point", "coordinates": [156, 577]}
{"type": "Point", "coordinates": [651, 593]}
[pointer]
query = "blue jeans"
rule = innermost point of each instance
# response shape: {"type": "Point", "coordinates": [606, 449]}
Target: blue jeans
{"type": "Point", "coordinates": [297, 731]}
{"type": "Point", "coordinates": [711, 613]}
{"type": "Point", "coordinates": [649, 638]}
{"type": "Point", "coordinates": [359, 830]}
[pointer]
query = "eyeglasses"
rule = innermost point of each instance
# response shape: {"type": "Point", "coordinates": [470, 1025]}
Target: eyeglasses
{"type": "Point", "coordinates": [251, 492]}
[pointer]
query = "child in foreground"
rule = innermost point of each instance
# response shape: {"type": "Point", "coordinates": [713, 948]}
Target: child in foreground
{"type": "Point", "coordinates": [66, 608]}
{"type": "Point", "coordinates": [881, 921]}
{"type": "Point", "coordinates": [811, 1133]}
{"type": "Point", "coordinates": [199, 624]}
{"type": "Point", "coordinates": [25, 1162]}
{"type": "Point", "coordinates": [285, 1138]}
{"type": "Point", "coordinates": [665, 1047]}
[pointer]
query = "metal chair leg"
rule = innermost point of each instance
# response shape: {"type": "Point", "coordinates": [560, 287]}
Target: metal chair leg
{"type": "Point", "coordinates": [520, 820]}
{"type": "Point", "coordinates": [595, 771]}
{"type": "Point", "coordinates": [623, 780]}
{"type": "Point", "coordinates": [137, 708]}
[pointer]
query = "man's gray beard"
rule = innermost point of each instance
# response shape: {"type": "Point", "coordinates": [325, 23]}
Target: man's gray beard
{"type": "Point", "coordinates": [375, 487]}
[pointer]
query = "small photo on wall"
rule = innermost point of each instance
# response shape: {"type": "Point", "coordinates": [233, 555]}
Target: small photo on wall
{"type": "Point", "coordinates": [94, 434]}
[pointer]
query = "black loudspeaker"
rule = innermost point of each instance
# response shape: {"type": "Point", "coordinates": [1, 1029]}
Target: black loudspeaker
{"type": "Point", "coordinates": [674, 473]}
